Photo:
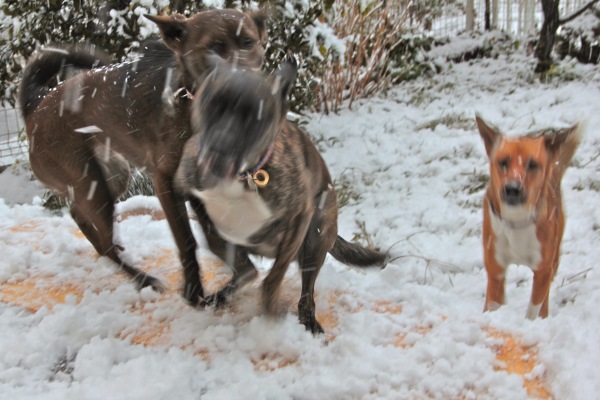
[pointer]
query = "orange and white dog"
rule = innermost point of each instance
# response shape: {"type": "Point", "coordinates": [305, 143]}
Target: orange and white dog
{"type": "Point", "coordinates": [523, 218]}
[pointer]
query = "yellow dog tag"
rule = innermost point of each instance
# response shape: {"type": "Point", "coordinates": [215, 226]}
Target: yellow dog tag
{"type": "Point", "coordinates": [260, 178]}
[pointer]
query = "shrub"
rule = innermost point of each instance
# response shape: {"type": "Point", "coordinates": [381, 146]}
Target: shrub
{"type": "Point", "coordinates": [346, 48]}
{"type": "Point", "coordinates": [290, 24]}
{"type": "Point", "coordinates": [368, 47]}
{"type": "Point", "coordinates": [116, 26]}
{"type": "Point", "coordinates": [580, 38]}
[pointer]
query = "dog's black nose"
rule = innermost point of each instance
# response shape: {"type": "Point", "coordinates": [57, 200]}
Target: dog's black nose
{"type": "Point", "coordinates": [513, 194]}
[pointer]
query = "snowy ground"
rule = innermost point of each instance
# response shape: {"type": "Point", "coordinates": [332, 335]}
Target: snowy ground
{"type": "Point", "coordinates": [413, 168]}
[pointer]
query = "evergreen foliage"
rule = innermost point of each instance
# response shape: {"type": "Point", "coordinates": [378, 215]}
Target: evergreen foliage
{"type": "Point", "coordinates": [114, 25]}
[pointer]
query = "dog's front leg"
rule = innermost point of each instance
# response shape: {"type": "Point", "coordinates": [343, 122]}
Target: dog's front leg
{"type": "Point", "coordinates": [287, 251]}
{"type": "Point", "coordinates": [496, 273]}
{"type": "Point", "coordinates": [494, 296]}
{"type": "Point", "coordinates": [236, 257]}
{"type": "Point", "coordinates": [320, 238]}
{"type": "Point", "coordinates": [540, 293]}
{"type": "Point", "coordinates": [173, 205]}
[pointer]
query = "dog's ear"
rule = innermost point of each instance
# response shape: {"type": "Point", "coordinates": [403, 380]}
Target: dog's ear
{"type": "Point", "coordinates": [172, 29]}
{"type": "Point", "coordinates": [286, 75]}
{"type": "Point", "coordinates": [260, 20]}
{"type": "Point", "coordinates": [488, 133]}
{"type": "Point", "coordinates": [561, 145]}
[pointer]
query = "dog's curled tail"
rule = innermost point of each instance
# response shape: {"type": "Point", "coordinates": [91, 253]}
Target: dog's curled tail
{"type": "Point", "coordinates": [47, 63]}
{"type": "Point", "coordinates": [358, 256]}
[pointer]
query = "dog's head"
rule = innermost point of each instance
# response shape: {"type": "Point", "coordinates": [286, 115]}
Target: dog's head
{"type": "Point", "coordinates": [236, 116]}
{"type": "Point", "coordinates": [521, 167]}
{"type": "Point", "coordinates": [232, 35]}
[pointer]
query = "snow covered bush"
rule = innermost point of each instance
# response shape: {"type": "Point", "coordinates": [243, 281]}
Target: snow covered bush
{"type": "Point", "coordinates": [116, 26]}
{"type": "Point", "coordinates": [289, 30]}
{"type": "Point", "coordinates": [346, 49]}
{"type": "Point", "coordinates": [367, 48]}
{"type": "Point", "coordinates": [580, 38]}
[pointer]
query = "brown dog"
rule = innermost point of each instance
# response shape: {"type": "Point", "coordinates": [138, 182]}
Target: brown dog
{"type": "Point", "coordinates": [83, 132]}
{"type": "Point", "coordinates": [265, 187]}
{"type": "Point", "coordinates": [523, 217]}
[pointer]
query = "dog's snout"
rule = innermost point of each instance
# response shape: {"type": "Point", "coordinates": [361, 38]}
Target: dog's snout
{"type": "Point", "coordinates": [219, 165]}
{"type": "Point", "coordinates": [513, 193]}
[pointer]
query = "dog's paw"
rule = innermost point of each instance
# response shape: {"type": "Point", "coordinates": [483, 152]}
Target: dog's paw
{"type": "Point", "coordinates": [143, 281]}
{"type": "Point", "coordinates": [194, 295]}
{"type": "Point", "coordinates": [307, 317]}
{"type": "Point", "coordinates": [311, 324]}
{"type": "Point", "coordinates": [217, 300]}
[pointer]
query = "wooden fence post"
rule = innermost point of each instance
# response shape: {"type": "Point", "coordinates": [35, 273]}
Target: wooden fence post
{"type": "Point", "coordinates": [509, 16]}
{"type": "Point", "coordinates": [470, 15]}
{"type": "Point", "coordinates": [494, 14]}
{"type": "Point", "coordinates": [529, 27]}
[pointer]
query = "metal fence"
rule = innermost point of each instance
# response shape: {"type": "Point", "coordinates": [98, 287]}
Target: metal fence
{"type": "Point", "coordinates": [13, 146]}
{"type": "Point", "coordinates": [517, 17]}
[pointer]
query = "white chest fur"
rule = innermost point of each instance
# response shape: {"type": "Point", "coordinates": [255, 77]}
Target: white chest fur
{"type": "Point", "coordinates": [516, 243]}
{"type": "Point", "coordinates": [236, 212]}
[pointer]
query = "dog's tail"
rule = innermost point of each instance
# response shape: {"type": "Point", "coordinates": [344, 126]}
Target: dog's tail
{"type": "Point", "coordinates": [48, 63]}
{"type": "Point", "coordinates": [358, 256]}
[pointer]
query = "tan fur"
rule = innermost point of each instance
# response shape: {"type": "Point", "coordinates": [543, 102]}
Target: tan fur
{"type": "Point", "coordinates": [531, 231]}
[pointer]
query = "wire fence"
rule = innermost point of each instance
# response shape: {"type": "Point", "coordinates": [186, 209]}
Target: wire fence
{"type": "Point", "coordinates": [518, 17]}
{"type": "Point", "coordinates": [13, 145]}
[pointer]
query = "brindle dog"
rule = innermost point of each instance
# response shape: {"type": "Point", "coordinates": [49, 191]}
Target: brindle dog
{"type": "Point", "coordinates": [83, 132]}
{"type": "Point", "coordinates": [265, 187]}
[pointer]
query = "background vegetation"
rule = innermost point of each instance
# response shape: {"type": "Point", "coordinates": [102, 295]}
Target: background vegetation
{"type": "Point", "coordinates": [347, 49]}
{"type": "Point", "coordinates": [336, 41]}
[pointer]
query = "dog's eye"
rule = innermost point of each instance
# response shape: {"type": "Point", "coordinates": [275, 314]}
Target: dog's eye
{"type": "Point", "coordinates": [532, 165]}
{"type": "Point", "coordinates": [503, 164]}
{"type": "Point", "coordinates": [217, 47]}
{"type": "Point", "coordinates": [247, 43]}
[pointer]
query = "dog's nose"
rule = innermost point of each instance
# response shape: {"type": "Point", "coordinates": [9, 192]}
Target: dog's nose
{"type": "Point", "coordinates": [513, 194]}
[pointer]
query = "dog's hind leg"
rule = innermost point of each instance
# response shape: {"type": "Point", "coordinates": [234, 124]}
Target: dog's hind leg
{"type": "Point", "coordinates": [92, 209]}
{"type": "Point", "coordinates": [236, 257]}
{"type": "Point", "coordinates": [115, 169]}
{"type": "Point", "coordinates": [173, 205]}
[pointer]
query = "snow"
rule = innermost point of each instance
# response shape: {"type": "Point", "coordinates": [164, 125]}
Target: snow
{"type": "Point", "coordinates": [416, 167]}
{"type": "Point", "coordinates": [585, 24]}
{"type": "Point", "coordinates": [322, 39]}
{"type": "Point", "coordinates": [464, 43]}
{"type": "Point", "coordinates": [17, 184]}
